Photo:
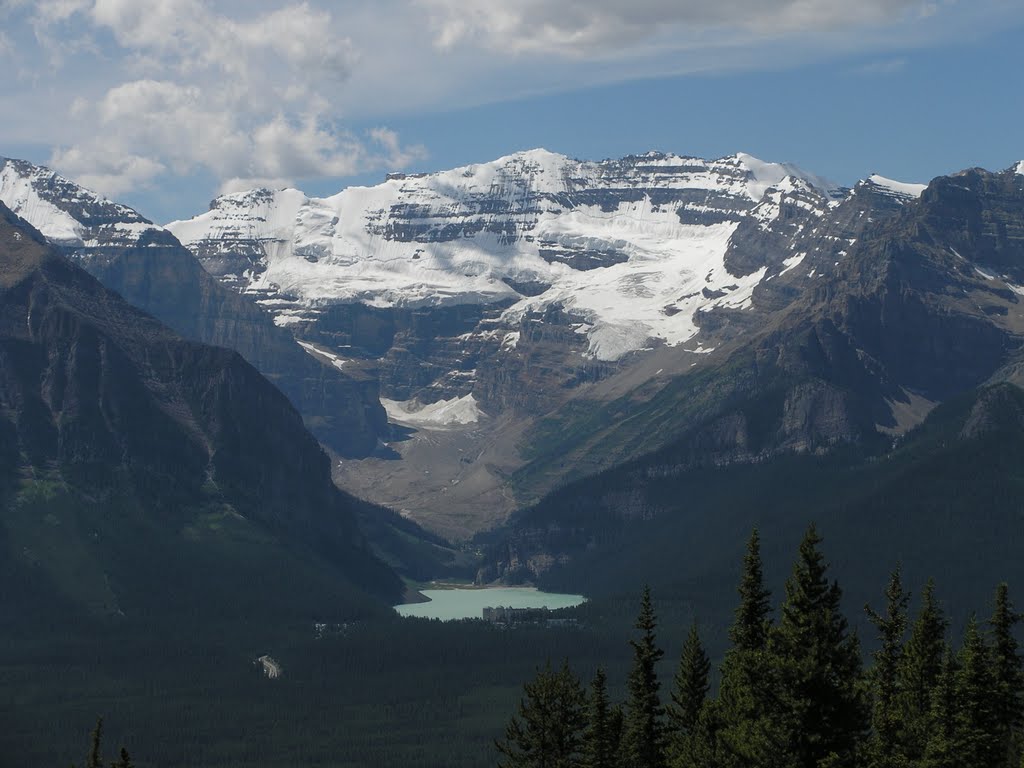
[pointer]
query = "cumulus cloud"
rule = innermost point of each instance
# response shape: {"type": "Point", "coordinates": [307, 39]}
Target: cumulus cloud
{"type": "Point", "coordinates": [242, 96]}
{"type": "Point", "coordinates": [588, 27]}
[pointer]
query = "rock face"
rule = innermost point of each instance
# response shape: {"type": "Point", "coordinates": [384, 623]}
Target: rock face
{"type": "Point", "coordinates": [103, 410]}
{"type": "Point", "coordinates": [147, 266]}
{"type": "Point", "coordinates": [892, 311]}
{"type": "Point", "coordinates": [891, 303]}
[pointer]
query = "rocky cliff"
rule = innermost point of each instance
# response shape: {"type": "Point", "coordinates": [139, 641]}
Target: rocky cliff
{"type": "Point", "coordinates": [124, 443]}
{"type": "Point", "coordinates": [149, 268]}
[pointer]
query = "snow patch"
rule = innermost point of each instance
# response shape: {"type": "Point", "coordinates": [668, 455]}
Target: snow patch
{"type": "Point", "coordinates": [792, 262]}
{"type": "Point", "coordinates": [458, 411]}
{"type": "Point", "coordinates": [1020, 168]}
{"type": "Point", "coordinates": [322, 354]}
{"type": "Point", "coordinates": [898, 188]}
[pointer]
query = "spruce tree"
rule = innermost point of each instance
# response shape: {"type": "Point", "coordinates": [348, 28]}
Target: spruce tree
{"type": "Point", "coordinates": [689, 695]}
{"type": "Point", "coordinates": [977, 733]}
{"type": "Point", "coordinates": [617, 731]}
{"type": "Point", "coordinates": [95, 759]}
{"type": "Point", "coordinates": [821, 715]}
{"type": "Point", "coordinates": [547, 733]}
{"type": "Point", "coordinates": [886, 747]}
{"type": "Point", "coordinates": [600, 740]}
{"type": "Point", "coordinates": [920, 668]}
{"type": "Point", "coordinates": [1008, 674]}
{"type": "Point", "coordinates": [940, 749]}
{"type": "Point", "coordinates": [739, 720]}
{"type": "Point", "coordinates": [644, 737]}
{"type": "Point", "coordinates": [749, 631]}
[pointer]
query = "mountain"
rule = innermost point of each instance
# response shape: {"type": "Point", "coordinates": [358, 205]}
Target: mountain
{"type": "Point", "coordinates": [537, 319]}
{"type": "Point", "coordinates": [149, 268]}
{"type": "Point", "coordinates": [943, 502]}
{"type": "Point", "coordinates": [897, 305]}
{"type": "Point", "coordinates": [151, 478]}
{"type": "Point", "coordinates": [882, 401]}
{"type": "Point", "coordinates": [492, 294]}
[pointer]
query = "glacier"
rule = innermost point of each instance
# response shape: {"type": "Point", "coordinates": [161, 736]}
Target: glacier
{"type": "Point", "coordinates": [633, 248]}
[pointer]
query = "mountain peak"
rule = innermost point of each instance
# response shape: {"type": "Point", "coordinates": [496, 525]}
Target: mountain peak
{"type": "Point", "coordinates": [766, 175]}
{"type": "Point", "coordinates": [899, 190]}
{"type": "Point", "coordinates": [66, 213]}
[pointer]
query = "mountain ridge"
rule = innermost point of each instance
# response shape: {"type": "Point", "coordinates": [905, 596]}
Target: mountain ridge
{"type": "Point", "coordinates": [535, 318]}
{"type": "Point", "coordinates": [116, 425]}
{"type": "Point", "coordinates": [147, 265]}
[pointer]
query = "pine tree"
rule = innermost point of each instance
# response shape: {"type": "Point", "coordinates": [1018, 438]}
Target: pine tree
{"type": "Point", "coordinates": [548, 730]}
{"type": "Point", "coordinates": [600, 740]}
{"type": "Point", "coordinates": [821, 715]}
{"type": "Point", "coordinates": [95, 759]}
{"type": "Point", "coordinates": [1008, 674]}
{"type": "Point", "coordinates": [617, 731]}
{"type": "Point", "coordinates": [644, 728]}
{"type": "Point", "coordinates": [749, 631]}
{"type": "Point", "coordinates": [739, 719]}
{"type": "Point", "coordinates": [124, 761]}
{"type": "Point", "coordinates": [886, 747]}
{"type": "Point", "coordinates": [940, 750]}
{"type": "Point", "coordinates": [977, 733]}
{"type": "Point", "coordinates": [920, 668]}
{"type": "Point", "coordinates": [692, 684]}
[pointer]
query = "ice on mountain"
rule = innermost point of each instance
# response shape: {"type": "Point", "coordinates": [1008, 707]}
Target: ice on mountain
{"type": "Point", "coordinates": [469, 234]}
{"type": "Point", "coordinates": [443, 413]}
{"type": "Point", "coordinates": [898, 188]}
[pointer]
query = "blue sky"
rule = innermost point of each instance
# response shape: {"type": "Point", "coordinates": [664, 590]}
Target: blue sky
{"type": "Point", "coordinates": [165, 103]}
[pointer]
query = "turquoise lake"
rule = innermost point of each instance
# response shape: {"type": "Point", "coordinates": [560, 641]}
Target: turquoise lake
{"type": "Point", "coordinates": [449, 604]}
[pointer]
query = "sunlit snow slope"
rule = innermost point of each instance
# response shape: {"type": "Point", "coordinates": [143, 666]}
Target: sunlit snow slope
{"type": "Point", "coordinates": [632, 248]}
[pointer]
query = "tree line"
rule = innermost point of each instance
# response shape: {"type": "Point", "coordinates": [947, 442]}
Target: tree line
{"type": "Point", "coordinates": [793, 692]}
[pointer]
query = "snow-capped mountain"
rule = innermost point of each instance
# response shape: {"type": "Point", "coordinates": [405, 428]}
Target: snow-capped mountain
{"type": "Point", "coordinates": [496, 297]}
{"type": "Point", "coordinates": [489, 301]}
{"type": "Point", "coordinates": [150, 268]}
{"type": "Point", "coordinates": [68, 215]}
{"type": "Point", "coordinates": [632, 249]}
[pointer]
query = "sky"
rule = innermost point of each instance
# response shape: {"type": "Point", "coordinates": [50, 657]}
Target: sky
{"type": "Point", "coordinates": [164, 104]}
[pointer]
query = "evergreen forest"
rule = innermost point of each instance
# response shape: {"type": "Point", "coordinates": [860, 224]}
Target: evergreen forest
{"type": "Point", "coordinates": [792, 689]}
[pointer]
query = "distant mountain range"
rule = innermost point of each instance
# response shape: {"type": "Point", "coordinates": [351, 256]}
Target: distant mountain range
{"type": "Point", "coordinates": [537, 319]}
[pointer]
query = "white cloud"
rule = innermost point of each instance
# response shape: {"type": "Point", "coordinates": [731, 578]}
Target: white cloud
{"type": "Point", "coordinates": [133, 92]}
{"type": "Point", "coordinates": [609, 27]}
{"type": "Point", "coordinates": [239, 96]}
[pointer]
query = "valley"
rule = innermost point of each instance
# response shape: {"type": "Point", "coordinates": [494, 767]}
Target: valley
{"type": "Point", "coordinates": [511, 384]}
